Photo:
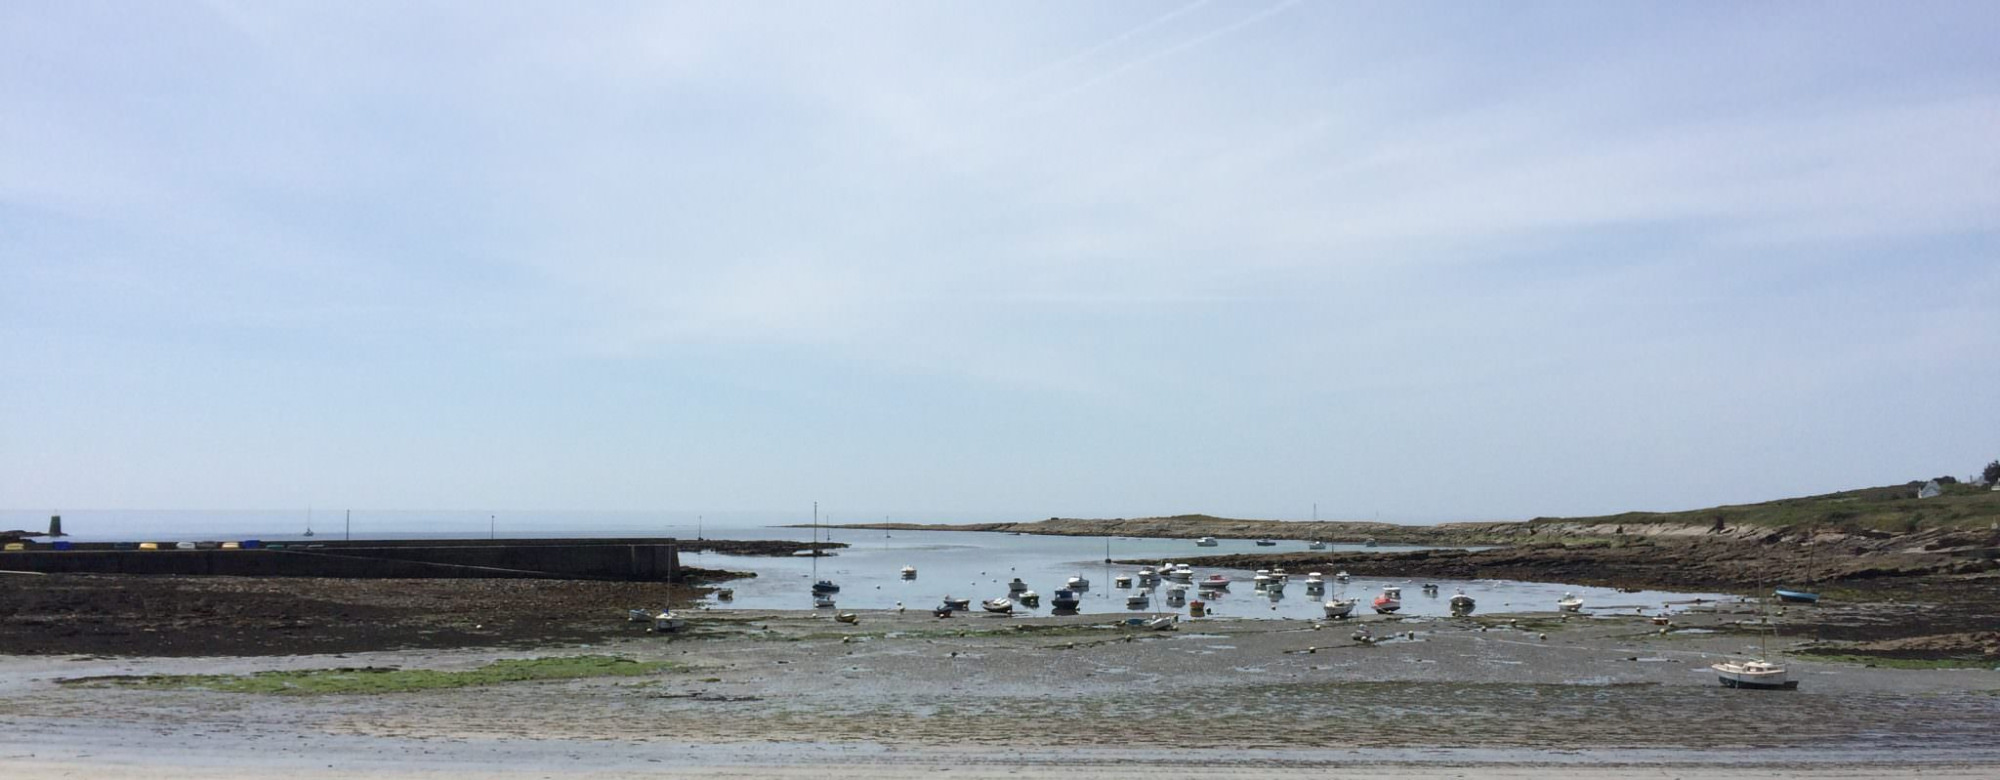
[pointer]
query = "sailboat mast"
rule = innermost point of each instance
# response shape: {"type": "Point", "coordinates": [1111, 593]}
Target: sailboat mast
{"type": "Point", "coordinates": [815, 544]}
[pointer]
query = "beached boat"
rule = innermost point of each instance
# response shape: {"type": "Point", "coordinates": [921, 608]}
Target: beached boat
{"type": "Point", "coordinates": [1461, 604]}
{"type": "Point", "coordinates": [1001, 605]}
{"type": "Point", "coordinates": [1206, 541]}
{"type": "Point", "coordinates": [1164, 623]}
{"type": "Point", "coordinates": [1570, 603]}
{"type": "Point", "coordinates": [849, 618]}
{"type": "Point", "coordinates": [1122, 581]}
{"type": "Point", "coordinates": [1339, 608]}
{"type": "Point", "coordinates": [1266, 543]}
{"type": "Point", "coordinates": [957, 605]}
{"type": "Point", "coordinates": [1065, 599]}
{"type": "Point", "coordinates": [1796, 596]}
{"type": "Point", "coordinates": [1029, 598]}
{"type": "Point", "coordinates": [1757, 675]}
{"type": "Point", "coordinates": [667, 622]}
{"type": "Point", "coordinates": [1215, 582]}
{"type": "Point", "coordinates": [822, 601]}
{"type": "Point", "coordinates": [1390, 600]}
{"type": "Point", "coordinates": [909, 572]}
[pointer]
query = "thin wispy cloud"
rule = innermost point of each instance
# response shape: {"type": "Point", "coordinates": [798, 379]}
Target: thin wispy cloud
{"type": "Point", "coordinates": [1225, 257]}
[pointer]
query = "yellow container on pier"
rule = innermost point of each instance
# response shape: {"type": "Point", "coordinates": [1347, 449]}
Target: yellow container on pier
{"type": "Point", "coordinates": [149, 545]}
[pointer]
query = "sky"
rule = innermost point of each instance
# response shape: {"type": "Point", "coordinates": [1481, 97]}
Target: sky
{"type": "Point", "coordinates": [956, 260]}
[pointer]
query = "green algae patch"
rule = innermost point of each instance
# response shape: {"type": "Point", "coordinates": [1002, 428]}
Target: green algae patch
{"type": "Point", "coordinates": [375, 679]}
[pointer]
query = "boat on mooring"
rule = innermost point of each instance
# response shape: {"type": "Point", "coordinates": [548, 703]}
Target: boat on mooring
{"type": "Point", "coordinates": [1266, 543]}
{"type": "Point", "coordinates": [1570, 603]}
{"type": "Point", "coordinates": [822, 601]}
{"type": "Point", "coordinates": [1001, 605]}
{"type": "Point", "coordinates": [909, 572]}
{"type": "Point", "coordinates": [1461, 604]}
{"type": "Point", "coordinates": [1065, 599]}
{"type": "Point", "coordinates": [1122, 581]}
{"type": "Point", "coordinates": [1206, 541]}
{"type": "Point", "coordinates": [1215, 582]}
{"type": "Point", "coordinates": [1339, 608]}
{"type": "Point", "coordinates": [1753, 674]}
{"type": "Point", "coordinates": [1141, 600]}
{"type": "Point", "coordinates": [1316, 545]}
{"type": "Point", "coordinates": [1390, 600]}
{"type": "Point", "coordinates": [956, 605]}
{"type": "Point", "coordinates": [1796, 596]}
{"type": "Point", "coordinates": [1016, 586]}
{"type": "Point", "coordinates": [1030, 599]}
{"type": "Point", "coordinates": [1077, 583]}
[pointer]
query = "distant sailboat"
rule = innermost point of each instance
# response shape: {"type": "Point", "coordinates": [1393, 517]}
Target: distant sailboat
{"type": "Point", "coordinates": [309, 521]}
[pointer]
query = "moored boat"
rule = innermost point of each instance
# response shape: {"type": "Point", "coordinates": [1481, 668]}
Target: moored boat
{"type": "Point", "coordinates": [1029, 598]}
{"type": "Point", "coordinates": [1266, 543]}
{"type": "Point", "coordinates": [825, 586]}
{"type": "Point", "coordinates": [1316, 545]}
{"type": "Point", "coordinates": [1215, 582]}
{"type": "Point", "coordinates": [1065, 599]}
{"type": "Point", "coordinates": [1339, 608]}
{"type": "Point", "coordinates": [1796, 596]}
{"type": "Point", "coordinates": [957, 605]}
{"type": "Point", "coordinates": [1570, 603]}
{"type": "Point", "coordinates": [1077, 583]}
{"type": "Point", "coordinates": [1461, 604]}
{"type": "Point", "coordinates": [1002, 605]}
{"type": "Point", "coordinates": [1016, 586]}
{"type": "Point", "coordinates": [1206, 541]}
{"type": "Point", "coordinates": [822, 601]}
{"type": "Point", "coordinates": [1756, 675]}
{"type": "Point", "coordinates": [1390, 600]}
{"type": "Point", "coordinates": [1122, 581]}
{"type": "Point", "coordinates": [909, 572]}
{"type": "Point", "coordinates": [1141, 600]}
{"type": "Point", "coordinates": [1340, 577]}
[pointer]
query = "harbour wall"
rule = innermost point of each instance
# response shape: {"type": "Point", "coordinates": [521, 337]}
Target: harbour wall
{"type": "Point", "coordinates": [598, 559]}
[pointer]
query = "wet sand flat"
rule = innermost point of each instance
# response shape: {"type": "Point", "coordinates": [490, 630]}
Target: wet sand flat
{"type": "Point", "coordinates": [908, 693]}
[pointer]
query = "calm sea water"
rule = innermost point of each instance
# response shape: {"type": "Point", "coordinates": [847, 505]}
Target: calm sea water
{"type": "Point", "coordinates": [961, 564]}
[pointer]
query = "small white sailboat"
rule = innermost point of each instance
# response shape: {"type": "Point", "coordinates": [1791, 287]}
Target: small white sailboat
{"type": "Point", "coordinates": [1077, 583]}
{"type": "Point", "coordinates": [1570, 603]}
{"type": "Point", "coordinates": [1390, 600]}
{"type": "Point", "coordinates": [1206, 541]}
{"type": "Point", "coordinates": [1757, 675]}
{"type": "Point", "coordinates": [1339, 608]}
{"type": "Point", "coordinates": [667, 622]}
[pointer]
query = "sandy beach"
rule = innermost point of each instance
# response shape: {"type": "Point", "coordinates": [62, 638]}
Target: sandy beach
{"type": "Point", "coordinates": [784, 694]}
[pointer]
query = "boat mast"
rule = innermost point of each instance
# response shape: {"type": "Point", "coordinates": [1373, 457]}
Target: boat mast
{"type": "Point", "coordinates": [815, 544]}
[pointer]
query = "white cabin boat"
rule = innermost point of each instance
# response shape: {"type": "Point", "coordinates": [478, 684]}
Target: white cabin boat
{"type": "Point", "coordinates": [1122, 581]}
{"type": "Point", "coordinates": [1016, 586]}
{"type": "Point", "coordinates": [1390, 600]}
{"type": "Point", "coordinates": [909, 572]}
{"type": "Point", "coordinates": [1141, 600]}
{"type": "Point", "coordinates": [1206, 541]}
{"type": "Point", "coordinates": [1077, 583]}
{"type": "Point", "coordinates": [1461, 604]}
{"type": "Point", "coordinates": [1759, 675]}
{"type": "Point", "coordinates": [822, 601]}
{"type": "Point", "coordinates": [1339, 608]}
{"type": "Point", "coordinates": [1215, 582]}
{"type": "Point", "coordinates": [1316, 545]}
{"type": "Point", "coordinates": [1000, 605]}
{"type": "Point", "coordinates": [1570, 603]}
{"type": "Point", "coordinates": [1340, 577]}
